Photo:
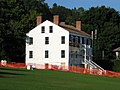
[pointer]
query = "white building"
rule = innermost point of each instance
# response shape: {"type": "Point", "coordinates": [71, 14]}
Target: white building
{"type": "Point", "coordinates": [117, 52]}
{"type": "Point", "coordinates": [54, 43]}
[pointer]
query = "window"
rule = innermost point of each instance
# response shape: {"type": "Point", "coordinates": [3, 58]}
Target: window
{"type": "Point", "coordinates": [78, 39]}
{"type": "Point", "coordinates": [30, 54]}
{"type": "Point", "coordinates": [30, 40]}
{"type": "Point", "coordinates": [71, 55]}
{"type": "Point", "coordinates": [83, 42]}
{"type": "Point", "coordinates": [51, 29]}
{"type": "Point", "coordinates": [90, 42]}
{"type": "Point", "coordinates": [46, 54]}
{"type": "Point", "coordinates": [87, 42]}
{"type": "Point", "coordinates": [46, 40]}
{"type": "Point", "coordinates": [73, 39]}
{"type": "Point", "coordinates": [43, 29]}
{"type": "Point", "coordinates": [62, 39]}
{"type": "Point", "coordinates": [76, 54]}
{"type": "Point", "coordinates": [62, 53]}
{"type": "Point", "coordinates": [70, 38]}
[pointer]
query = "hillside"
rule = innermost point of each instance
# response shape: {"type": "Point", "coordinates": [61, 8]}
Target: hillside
{"type": "Point", "coordinates": [21, 79]}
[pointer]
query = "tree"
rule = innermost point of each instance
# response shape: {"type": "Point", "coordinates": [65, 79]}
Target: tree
{"type": "Point", "coordinates": [63, 12]}
{"type": "Point", "coordinates": [76, 14]}
{"type": "Point", "coordinates": [107, 23]}
{"type": "Point", "coordinates": [17, 18]}
{"type": "Point", "coordinates": [67, 15]}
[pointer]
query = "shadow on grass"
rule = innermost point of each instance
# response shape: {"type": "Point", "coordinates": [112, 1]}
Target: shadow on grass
{"type": "Point", "coordinates": [7, 72]}
{"type": "Point", "coordinates": [13, 69]}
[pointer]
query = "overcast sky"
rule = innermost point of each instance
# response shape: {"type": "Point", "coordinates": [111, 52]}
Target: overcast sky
{"type": "Point", "coordinates": [86, 4]}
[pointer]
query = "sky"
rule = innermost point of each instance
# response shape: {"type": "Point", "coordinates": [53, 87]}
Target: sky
{"type": "Point", "coordinates": [86, 4]}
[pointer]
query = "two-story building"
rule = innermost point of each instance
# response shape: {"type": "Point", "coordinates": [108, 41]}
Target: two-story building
{"type": "Point", "coordinates": [54, 43]}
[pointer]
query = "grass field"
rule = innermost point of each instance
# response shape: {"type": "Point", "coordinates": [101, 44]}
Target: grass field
{"type": "Point", "coordinates": [21, 79]}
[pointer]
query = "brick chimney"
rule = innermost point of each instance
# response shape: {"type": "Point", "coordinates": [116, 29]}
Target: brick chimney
{"type": "Point", "coordinates": [56, 19]}
{"type": "Point", "coordinates": [78, 25]}
{"type": "Point", "coordinates": [39, 20]}
{"type": "Point", "coordinates": [63, 23]}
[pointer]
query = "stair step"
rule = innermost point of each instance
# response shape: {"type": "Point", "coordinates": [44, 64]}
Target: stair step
{"type": "Point", "coordinates": [93, 65]}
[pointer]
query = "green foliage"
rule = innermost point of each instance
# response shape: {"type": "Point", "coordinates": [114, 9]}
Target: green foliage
{"type": "Point", "coordinates": [21, 79]}
{"type": "Point", "coordinates": [63, 12]}
{"type": "Point", "coordinates": [116, 66]}
{"type": "Point", "coordinates": [107, 23]}
{"type": "Point", "coordinates": [76, 14]}
{"type": "Point", "coordinates": [17, 18]}
{"type": "Point", "coordinates": [67, 15]}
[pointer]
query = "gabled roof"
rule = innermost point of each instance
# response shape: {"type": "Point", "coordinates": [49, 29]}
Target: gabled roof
{"type": "Point", "coordinates": [117, 49]}
{"type": "Point", "coordinates": [73, 29]}
{"type": "Point", "coordinates": [69, 28]}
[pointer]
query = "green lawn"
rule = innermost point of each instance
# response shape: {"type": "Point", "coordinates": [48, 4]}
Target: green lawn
{"type": "Point", "coordinates": [21, 79]}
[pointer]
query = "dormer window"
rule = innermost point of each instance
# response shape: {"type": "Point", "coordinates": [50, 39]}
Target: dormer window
{"type": "Point", "coordinates": [50, 29]}
{"type": "Point", "coordinates": [43, 29]}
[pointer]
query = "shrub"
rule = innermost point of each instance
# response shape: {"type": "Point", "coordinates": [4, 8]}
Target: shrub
{"type": "Point", "coordinates": [116, 66]}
